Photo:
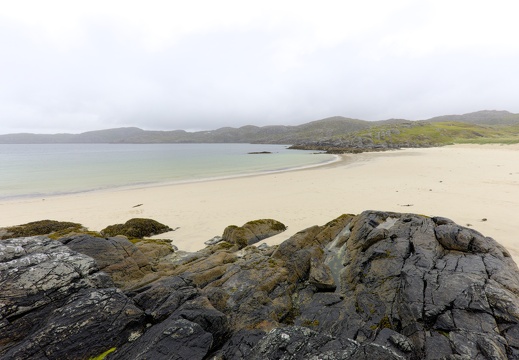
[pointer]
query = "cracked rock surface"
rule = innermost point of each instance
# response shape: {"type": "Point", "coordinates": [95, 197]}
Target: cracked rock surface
{"type": "Point", "coordinates": [377, 285]}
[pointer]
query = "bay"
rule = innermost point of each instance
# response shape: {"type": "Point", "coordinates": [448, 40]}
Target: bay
{"type": "Point", "coordinates": [35, 170]}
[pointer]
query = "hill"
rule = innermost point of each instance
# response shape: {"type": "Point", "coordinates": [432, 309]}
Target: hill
{"type": "Point", "coordinates": [337, 133]}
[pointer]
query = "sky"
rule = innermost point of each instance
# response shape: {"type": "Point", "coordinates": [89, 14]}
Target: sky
{"type": "Point", "coordinates": [75, 66]}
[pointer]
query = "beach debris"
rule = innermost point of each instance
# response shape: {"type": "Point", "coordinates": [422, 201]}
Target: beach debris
{"type": "Point", "coordinates": [137, 205]}
{"type": "Point", "coordinates": [484, 219]}
{"type": "Point", "coordinates": [407, 205]}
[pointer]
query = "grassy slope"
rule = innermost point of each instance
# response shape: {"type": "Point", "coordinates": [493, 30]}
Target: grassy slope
{"type": "Point", "coordinates": [441, 133]}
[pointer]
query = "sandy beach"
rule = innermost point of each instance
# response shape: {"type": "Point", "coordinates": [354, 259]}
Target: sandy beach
{"type": "Point", "coordinates": [474, 185]}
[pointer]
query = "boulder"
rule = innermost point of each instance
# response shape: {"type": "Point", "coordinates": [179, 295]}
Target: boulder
{"type": "Point", "coordinates": [117, 256]}
{"type": "Point", "coordinates": [252, 232]}
{"type": "Point", "coordinates": [136, 228]}
{"type": "Point", "coordinates": [42, 227]}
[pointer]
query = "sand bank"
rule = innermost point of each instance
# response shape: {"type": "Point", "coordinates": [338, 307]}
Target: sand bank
{"type": "Point", "coordinates": [474, 185]}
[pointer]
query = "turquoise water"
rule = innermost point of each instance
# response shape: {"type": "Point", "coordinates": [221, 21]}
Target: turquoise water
{"type": "Point", "coordinates": [50, 169]}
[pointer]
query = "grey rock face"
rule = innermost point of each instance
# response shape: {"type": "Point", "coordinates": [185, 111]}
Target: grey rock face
{"type": "Point", "coordinates": [177, 339]}
{"type": "Point", "coordinates": [377, 285]}
{"type": "Point", "coordinates": [52, 305]}
{"type": "Point", "coordinates": [116, 256]}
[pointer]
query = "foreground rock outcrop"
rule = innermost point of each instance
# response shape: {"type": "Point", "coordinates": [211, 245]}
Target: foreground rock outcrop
{"type": "Point", "coordinates": [377, 285]}
{"type": "Point", "coordinates": [252, 232]}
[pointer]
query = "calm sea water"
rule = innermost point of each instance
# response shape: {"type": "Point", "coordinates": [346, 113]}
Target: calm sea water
{"type": "Point", "coordinates": [50, 169]}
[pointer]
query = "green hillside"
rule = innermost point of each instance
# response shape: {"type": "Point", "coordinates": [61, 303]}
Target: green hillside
{"type": "Point", "coordinates": [441, 133]}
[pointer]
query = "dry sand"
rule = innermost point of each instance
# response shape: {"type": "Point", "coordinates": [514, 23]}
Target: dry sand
{"type": "Point", "coordinates": [474, 185]}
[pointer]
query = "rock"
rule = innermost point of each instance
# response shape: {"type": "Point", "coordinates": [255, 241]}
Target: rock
{"type": "Point", "coordinates": [192, 327]}
{"type": "Point", "coordinates": [252, 232]}
{"type": "Point", "coordinates": [177, 339]}
{"type": "Point", "coordinates": [161, 298]}
{"type": "Point", "coordinates": [214, 240]}
{"type": "Point", "coordinates": [294, 342]}
{"type": "Point", "coordinates": [378, 285]}
{"type": "Point", "coordinates": [117, 256]}
{"type": "Point", "coordinates": [42, 227]}
{"type": "Point", "coordinates": [54, 303]}
{"type": "Point", "coordinates": [136, 228]}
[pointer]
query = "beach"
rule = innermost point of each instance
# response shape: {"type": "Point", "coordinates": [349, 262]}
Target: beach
{"type": "Point", "coordinates": [474, 185]}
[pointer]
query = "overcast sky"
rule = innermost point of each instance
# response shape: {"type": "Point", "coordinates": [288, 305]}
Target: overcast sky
{"type": "Point", "coordinates": [74, 66]}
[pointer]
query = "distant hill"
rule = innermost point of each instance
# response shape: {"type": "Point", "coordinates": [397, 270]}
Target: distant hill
{"type": "Point", "coordinates": [484, 117]}
{"type": "Point", "coordinates": [335, 131]}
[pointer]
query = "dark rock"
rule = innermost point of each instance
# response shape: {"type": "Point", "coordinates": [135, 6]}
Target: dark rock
{"type": "Point", "coordinates": [52, 305]}
{"type": "Point", "coordinates": [177, 339]}
{"type": "Point", "coordinates": [240, 345]}
{"type": "Point", "coordinates": [117, 256]}
{"type": "Point", "coordinates": [379, 285]}
{"type": "Point", "coordinates": [302, 343]}
{"type": "Point", "coordinates": [161, 298]}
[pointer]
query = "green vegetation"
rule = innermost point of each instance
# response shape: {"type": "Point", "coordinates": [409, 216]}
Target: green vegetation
{"type": "Point", "coordinates": [103, 355]}
{"type": "Point", "coordinates": [273, 224]}
{"type": "Point", "coordinates": [310, 323]}
{"type": "Point", "coordinates": [43, 227]}
{"type": "Point", "coordinates": [440, 133]}
{"type": "Point", "coordinates": [136, 228]}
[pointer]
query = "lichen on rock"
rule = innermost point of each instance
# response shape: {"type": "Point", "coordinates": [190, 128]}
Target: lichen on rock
{"type": "Point", "coordinates": [252, 232]}
{"type": "Point", "coordinates": [136, 228]}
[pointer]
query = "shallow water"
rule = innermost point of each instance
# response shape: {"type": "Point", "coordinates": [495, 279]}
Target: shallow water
{"type": "Point", "coordinates": [30, 170]}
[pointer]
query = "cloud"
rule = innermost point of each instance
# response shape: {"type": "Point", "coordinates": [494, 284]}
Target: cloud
{"type": "Point", "coordinates": [202, 64]}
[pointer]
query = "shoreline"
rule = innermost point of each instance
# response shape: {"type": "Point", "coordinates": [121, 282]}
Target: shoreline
{"type": "Point", "coordinates": [466, 183]}
{"type": "Point", "coordinates": [143, 185]}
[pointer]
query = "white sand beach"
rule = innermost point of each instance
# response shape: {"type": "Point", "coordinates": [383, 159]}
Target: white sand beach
{"type": "Point", "coordinates": [474, 185]}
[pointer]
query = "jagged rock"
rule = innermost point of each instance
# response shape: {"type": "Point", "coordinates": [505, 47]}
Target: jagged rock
{"type": "Point", "coordinates": [378, 285]}
{"type": "Point", "coordinates": [161, 298]}
{"type": "Point", "coordinates": [294, 342]}
{"type": "Point", "coordinates": [136, 228]}
{"type": "Point", "coordinates": [54, 303]}
{"type": "Point", "coordinates": [252, 232]}
{"type": "Point", "coordinates": [177, 339]}
{"type": "Point", "coordinates": [191, 330]}
{"type": "Point", "coordinates": [116, 256]}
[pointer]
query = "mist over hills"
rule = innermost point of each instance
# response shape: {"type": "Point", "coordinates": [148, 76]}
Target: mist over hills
{"type": "Point", "coordinates": [332, 131]}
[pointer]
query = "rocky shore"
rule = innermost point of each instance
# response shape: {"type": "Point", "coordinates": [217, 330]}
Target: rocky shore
{"type": "Point", "coordinates": [378, 285]}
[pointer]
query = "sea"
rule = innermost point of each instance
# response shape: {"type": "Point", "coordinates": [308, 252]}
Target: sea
{"type": "Point", "coordinates": [39, 170]}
